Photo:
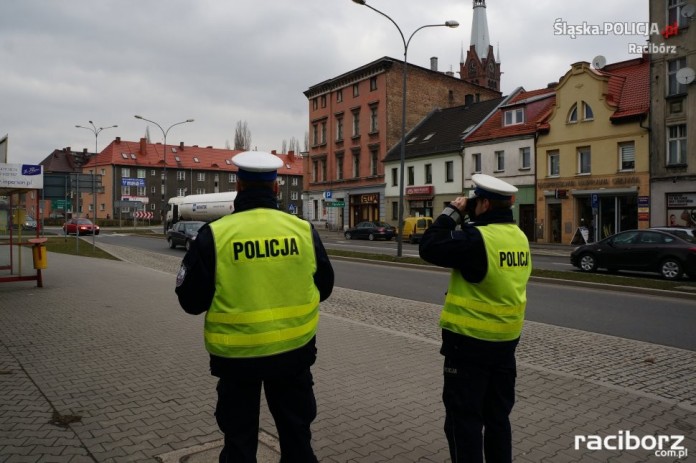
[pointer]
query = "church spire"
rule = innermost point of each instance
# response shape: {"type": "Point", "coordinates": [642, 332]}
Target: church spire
{"type": "Point", "coordinates": [479, 29]}
{"type": "Point", "coordinates": [480, 66]}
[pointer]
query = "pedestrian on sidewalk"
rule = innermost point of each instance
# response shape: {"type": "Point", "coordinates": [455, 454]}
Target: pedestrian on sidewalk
{"type": "Point", "coordinates": [482, 317]}
{"type": "Point", "coordinates": [260, 274]}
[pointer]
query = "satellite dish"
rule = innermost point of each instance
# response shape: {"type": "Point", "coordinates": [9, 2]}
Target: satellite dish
{"type": "Point", "coordinates": [599, 62]}
{"type": "Point", "coordinates": [688, 11]}
{"type": "Point", "coordinates": [685, 76]}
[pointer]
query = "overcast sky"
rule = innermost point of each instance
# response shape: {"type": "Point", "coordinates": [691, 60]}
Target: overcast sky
{"type": "Point", "coordinates": [66, 62]}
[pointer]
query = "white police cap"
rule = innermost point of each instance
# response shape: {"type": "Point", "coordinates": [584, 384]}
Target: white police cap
{"type": "Point", "coordinates": [257, 165]}
{"type": "Point", "coordinates": [492, 187]}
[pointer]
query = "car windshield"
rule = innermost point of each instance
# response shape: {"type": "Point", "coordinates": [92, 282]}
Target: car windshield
{"type": "Point", "coordinates": [382, 224]}
{"type": "Point", "coordinates": [193, 227]}
{"type": "Point", "coordinates": [84, 222]}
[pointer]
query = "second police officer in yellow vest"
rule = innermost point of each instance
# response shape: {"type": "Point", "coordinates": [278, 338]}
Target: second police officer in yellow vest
{"type": "Point", "coordinates": [482, 317]}
{"type": "Point", "coordinates": [259, 274]}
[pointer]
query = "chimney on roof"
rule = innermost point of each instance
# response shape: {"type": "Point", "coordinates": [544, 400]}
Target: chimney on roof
{"type": "Point", "coordinates": [291, 156]}
{"type": "Point", "coordinates": [118, 140]}
{"type": "Point", "coordinates": [84, 151]}
{"type": "Point", "coordinates": [552, 85]}
{"type": "Point", "coordinates": [433, 63]}
{"type": "Point", "coordinates": [143, 146]}
{"type": "Point", "coordinates": [211, 146]}
{"type": "Point", "coordinates": [181, 146]}
{"type": "Point", "coordinates": [273, 152]}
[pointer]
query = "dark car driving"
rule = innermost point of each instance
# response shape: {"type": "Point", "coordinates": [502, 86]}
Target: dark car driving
{"type": "Point", "coordinates": [371, 231]}
{"type": "Point", "coordinates": [639, 250]}
{"type": "Point", "coordinates": [183, 232]}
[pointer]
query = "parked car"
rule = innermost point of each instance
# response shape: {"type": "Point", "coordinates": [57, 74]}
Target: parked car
{"type": "Point", "coordinates": [29, 223]}
{"type": "Point", "coordinates": [371, 231]}
{"type": "Point", "coordinates": [80, 227]}
{"type": "Point", "coordinates": [183, 233]}
{"type": "Point", "coordinates": [639, 250]}
{"type": "Point", "coordinates": [414, 227]}
{"type": "Point", "coordinates": [686, 233]}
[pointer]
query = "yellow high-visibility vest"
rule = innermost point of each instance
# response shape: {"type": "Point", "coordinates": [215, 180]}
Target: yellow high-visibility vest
{"type": "Point", "coordinates": [493, 309]}
{"type": "Point", "coordinates": [265, 298]}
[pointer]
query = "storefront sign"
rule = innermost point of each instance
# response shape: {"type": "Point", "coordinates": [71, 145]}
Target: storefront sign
{"type": "Point", "coordinates": [420, 190]}
{"type": "Point", "coordinates": [372, 198]}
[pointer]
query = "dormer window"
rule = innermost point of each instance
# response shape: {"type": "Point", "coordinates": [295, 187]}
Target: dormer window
{"type": "Point", "coordinates": [514, 116]}
{"type": "Point", "coordinates": [195, 159]}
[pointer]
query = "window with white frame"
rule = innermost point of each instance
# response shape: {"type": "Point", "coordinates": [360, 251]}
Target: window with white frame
{"type": "Point", "coordinates": [673, 86]}
{"type": "Point", "coordinates": [374, 126]}
{"type": "Point", "coordinates": [428, 173]}
{"type": "Point", "coordinates": [200, 191]}
{"type": "Point", "coordinates": [395, 177]}
{"type": "Point", "coordinates": [553, 163]}
{"type": "Point", "coordinates": [153, 173]}
{"type": "Point", "coordinates": [514, 116]}
{"type": "Point", "coordinates": [323, 132]}
{"type": "Point", "coordinates": [200, 176]}
{"type": "Point", "coordinates": [154, 190]}
{"type": "Point", "coordinates": [584, 160]}
{"type": "Point", "coordinates": [181, 191]}
{"type": "Point", "coordinates": [449, 171]}
{"type": "Point", "coordinates": [476, 163]}
{"type": "Point", "coordinates": [674, 13]}
{"type": "Point", "coordinates": [525, 158]}
{"type": "Point", "coordinates": [627, 156]}
{"type": "Point", "coordinates": [373, 83]}
{"type": "Point", "coordinates": [339, 95]}
{"type": "Point", "coordinates": [293, 182]}
{"type": "Point", "coordinates": [573, 114]}
{"type": "Point", "coordinates": [142, 191]}
{"type": "Point", "coordinates": [676, 145]}
{"type": "Point", "coordinates": [125, 190]}
{"type": "Point", "coordinates": [315, 134]}
{"type": "Point", "coordinates": [232, 178]}
{"type": "Point", "coordinates": [141, 173]}
{"type": "Point", "coordinates": [181, 175]}
{"type": "Point", "coordinates": [293, 195]}
{"type": "Point", "coordinates": [499, 161]}
{"type": "Point", "coordinates": [339, 166]}
{"type": "Point", "coordinates": [339, 128]}
{"type": "Point", "coordinates": [374, 161]}
{"type": "Point", "coordinates": [356, 89]}
{"type": "Point", "coordinates": [587, 113]}
{"type": "Point", "coordinates": [125, 172]}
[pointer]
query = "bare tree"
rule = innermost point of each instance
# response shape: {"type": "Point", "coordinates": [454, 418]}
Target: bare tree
{"type": "Point", "coordinates": [306, 142]}
{"type": "Point", "coordinates": [284, 146]}
{"type": "Point", "coordinates": [242, 136]}
{"type": "Point", "coordinates": [294, 145]}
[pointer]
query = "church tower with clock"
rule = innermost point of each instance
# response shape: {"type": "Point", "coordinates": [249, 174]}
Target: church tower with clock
{"type": "Point", "coordinates": [480, 65]}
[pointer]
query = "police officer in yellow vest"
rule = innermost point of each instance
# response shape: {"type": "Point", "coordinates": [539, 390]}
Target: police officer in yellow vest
{"type": "Point", "coordinates": [260, 274]}
{"type": "Point", "coordinates": [482, 317]}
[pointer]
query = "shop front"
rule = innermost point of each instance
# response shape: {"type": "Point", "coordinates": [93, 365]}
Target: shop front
{"type": "Point", "coordinates": [575, 211]}
{"type": "Point", "coordinates": [419, 201]}
{"type": "Point", "coordinates": [364, 207]}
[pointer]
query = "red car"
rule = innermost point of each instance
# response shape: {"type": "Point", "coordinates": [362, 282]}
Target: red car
{"type": "Point", "coordinates": [80, 227]}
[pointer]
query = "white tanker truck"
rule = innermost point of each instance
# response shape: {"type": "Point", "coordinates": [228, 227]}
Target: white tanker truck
{"type": "Point", "coordinates": [205, 207]}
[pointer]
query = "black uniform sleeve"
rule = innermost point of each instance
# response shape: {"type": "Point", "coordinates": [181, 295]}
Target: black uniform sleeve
{"type": "Point", "coordinates": [464, 249]}
{"type": "Point", "coordinates": [324, 276]}
{"type": "Point", "coordinates": [195, 282]}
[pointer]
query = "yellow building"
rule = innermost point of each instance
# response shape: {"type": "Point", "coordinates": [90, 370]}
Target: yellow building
{"type": "Point", "coordinates": [592, 159]}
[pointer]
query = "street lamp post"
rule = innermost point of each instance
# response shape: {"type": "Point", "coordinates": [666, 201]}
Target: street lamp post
{"type": "Point", "coordinates": [402, 157]}
{"type": "Point", "coordinates": [164, 171]}
{"type": "Point", "coordinates": [96, 131]}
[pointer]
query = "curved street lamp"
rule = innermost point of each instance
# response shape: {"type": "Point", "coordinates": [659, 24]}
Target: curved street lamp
{"type": "Point", "coordinates": [96, 131]}
{"type": "Point", "coordinates": [402, 158]}
{"type": "Point", "coordinates": [164, 171]}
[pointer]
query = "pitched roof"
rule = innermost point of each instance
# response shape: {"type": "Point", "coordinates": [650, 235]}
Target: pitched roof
{"type": "Point", "coordinates": [536, 104]}
{"type": "Point", "coordinates": [628, 87]}
{"type": "Point", "coordinates": [143, 154]}
{"type": "Point", "coordinates": [443, 129]}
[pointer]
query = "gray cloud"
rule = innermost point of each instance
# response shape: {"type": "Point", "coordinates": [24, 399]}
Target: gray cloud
{"type": "Point", "coordinates": [64, 63]}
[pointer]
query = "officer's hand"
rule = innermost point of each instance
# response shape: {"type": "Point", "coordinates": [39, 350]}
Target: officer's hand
{"type": "Point", "coordinates": [460, 203]}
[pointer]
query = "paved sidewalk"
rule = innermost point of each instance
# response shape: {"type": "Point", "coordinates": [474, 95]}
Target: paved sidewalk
{"type": "Point", "coordinates": [101, 365]}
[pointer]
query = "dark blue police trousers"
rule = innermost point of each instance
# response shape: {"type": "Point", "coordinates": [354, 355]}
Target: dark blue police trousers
{"type": "Point", "coordinates": [290, 400]}
{"type": "Point", "coordinates": [478, 394]}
